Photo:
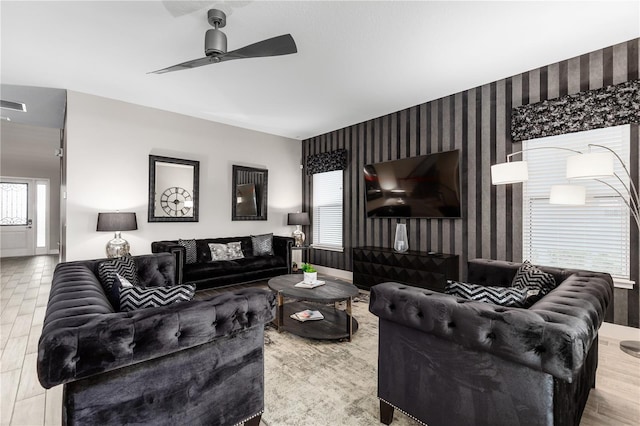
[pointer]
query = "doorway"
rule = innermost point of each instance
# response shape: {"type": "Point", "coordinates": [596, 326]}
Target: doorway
{"type": "Point", "coordinates": [24, 216]}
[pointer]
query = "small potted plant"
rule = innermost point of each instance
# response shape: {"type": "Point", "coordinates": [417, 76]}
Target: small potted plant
{"type": "Point", "coordinates": [310, 274]}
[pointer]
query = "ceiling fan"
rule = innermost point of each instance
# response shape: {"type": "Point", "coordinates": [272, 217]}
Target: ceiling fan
{"type": "Point", "coordinates": [215, 46]}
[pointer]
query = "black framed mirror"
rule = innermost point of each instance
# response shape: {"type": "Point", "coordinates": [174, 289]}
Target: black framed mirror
{"type": "Point", "coordinates": [249, 193]}
{"type": "Point", "coordinates": [173, 189]}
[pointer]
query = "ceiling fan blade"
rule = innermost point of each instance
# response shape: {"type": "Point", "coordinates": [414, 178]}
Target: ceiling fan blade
{"type": "Point", "coordinates": [187, 65]}
{"type": "Point", "coordinates": [276, 46]}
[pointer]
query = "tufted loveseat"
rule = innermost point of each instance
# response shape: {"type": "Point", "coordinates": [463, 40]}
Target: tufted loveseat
{"type": "Point", "coordinates": [191, 363]}
{"type": "Point", "coordinates": [446, 361]}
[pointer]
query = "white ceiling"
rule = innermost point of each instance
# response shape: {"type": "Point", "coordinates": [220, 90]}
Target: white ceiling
{"type": "Point", "coordinates": [356, 60]}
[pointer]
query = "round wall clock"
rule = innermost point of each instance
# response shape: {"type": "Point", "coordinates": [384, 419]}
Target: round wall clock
{"type": "Point", "coordinates": [176, 201]}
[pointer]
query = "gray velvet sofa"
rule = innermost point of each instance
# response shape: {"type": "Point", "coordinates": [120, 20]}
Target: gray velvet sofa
{"type": "Point", "coordinates": [206, 273]}
{"type": "Point", "coordinates": [195, 363]}
{"type": "Point", "coordinates": [449, 361]}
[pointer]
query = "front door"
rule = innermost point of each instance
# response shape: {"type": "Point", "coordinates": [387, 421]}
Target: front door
{"type": "Point", "coordinates": [17, 202]}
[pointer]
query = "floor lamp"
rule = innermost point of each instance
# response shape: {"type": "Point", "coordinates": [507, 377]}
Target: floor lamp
{"type": "Point", "coordinates": [591, 165]}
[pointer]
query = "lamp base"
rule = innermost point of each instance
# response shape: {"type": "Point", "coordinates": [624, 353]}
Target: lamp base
{"type": "Point", "coordinates": [298, 236]}
{"type": "Point", "coordinates": [117, 247]}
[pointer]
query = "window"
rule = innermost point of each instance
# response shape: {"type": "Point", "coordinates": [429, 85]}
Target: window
{"type": "Point", "coordinates": [41, 214]}
{"type": "Point", "coordinates": [594, 236]}
{"type": "Point", "coordinates": [327, 210]}
{"type": "Point", "coordinates": [13, 203]}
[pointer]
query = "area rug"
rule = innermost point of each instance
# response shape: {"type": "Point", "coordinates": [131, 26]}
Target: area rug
{"type": "Point", "coordinates": [311, 382]}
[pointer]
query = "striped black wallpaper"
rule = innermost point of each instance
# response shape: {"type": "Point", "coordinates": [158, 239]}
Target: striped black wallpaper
{"type": "Point", "coordinates": [476, 121]}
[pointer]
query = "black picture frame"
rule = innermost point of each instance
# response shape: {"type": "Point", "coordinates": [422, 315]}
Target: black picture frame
{"type": "Point", "coordinates": [242, 177]}
{"type": "Point", "coordinates": [172, 193]}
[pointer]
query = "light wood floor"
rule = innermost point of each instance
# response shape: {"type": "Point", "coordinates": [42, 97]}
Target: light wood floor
{"type": "Point", "coordinates": [24, 292]}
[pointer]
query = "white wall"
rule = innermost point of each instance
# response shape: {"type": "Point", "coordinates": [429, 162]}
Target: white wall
{"type": "Point", "coordinates": [108, 148]}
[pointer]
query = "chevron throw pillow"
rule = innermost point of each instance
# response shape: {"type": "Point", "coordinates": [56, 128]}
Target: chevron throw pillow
{"type": "Point", "coordinates": [505, 296]}
{"type": "Point", "coordinates": [262, 244]}
{"type": "Point", "coordinates": [109, 270]}
{"type": "Point", "coordinates": [133, 298]}
{"type": "Point", "coordinates": [191, 250]}
{"type": "Point", "coordinates": [533, 279]}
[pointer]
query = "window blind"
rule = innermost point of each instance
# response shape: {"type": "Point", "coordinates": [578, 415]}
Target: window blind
{"type": "Point", "coordinates": [327, 209]}
{"type": "Point", "coordinates": [594, 236]}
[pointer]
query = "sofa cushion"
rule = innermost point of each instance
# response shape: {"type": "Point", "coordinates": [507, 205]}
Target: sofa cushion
{"type": "Point", "coordinates": [504, 296]}
{"type": "Point", "coordinates": [204, 253]}
{"type": "Point", "coordinates": [133, 298]}
{"type": "Point", "coordinates": [108, 270]}
{"type": "Point", "coordinates": [234, 251]}
{"type": "Point", "coordinates": [534, 279]}
{"type": "Point", "coordinates": [262, 244]}
{"type": "Point", "coordinates": [200, 271]}
{"type": "Point", "coordinates": [191, 252]}
{"type": "Point", "coordinates": [261, 262]}
{"type": "Point", "coordinates": [218, 251]}
{"type": "Point", "coordinates": [229, 251]}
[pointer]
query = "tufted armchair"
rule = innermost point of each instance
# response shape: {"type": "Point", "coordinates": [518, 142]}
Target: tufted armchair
{"type": "Point", "coordinates": [195, 363]}
{"type": "Point", "coordinates": [444, 360]}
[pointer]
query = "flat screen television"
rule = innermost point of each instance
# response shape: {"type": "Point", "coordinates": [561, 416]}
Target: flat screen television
{"type": "Point", "coordinates": [426, 186]}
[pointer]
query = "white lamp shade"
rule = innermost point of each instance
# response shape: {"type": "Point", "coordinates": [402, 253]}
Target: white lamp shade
{"type": "Point", "coordinates": [568, 195]}
{"type": "Point", "coordinates": [513, 172]}
{"type": "Point", "coordinates": [590, 166]}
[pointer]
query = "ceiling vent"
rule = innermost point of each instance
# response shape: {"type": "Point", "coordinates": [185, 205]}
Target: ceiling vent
{"type": "Point", "coordinates": [15, 106]}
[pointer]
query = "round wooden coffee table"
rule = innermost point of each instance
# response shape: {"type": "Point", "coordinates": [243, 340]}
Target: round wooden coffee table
{"type": "Point", "coordinates": [336, 325]}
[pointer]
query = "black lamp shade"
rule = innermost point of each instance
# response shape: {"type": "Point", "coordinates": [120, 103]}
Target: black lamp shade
{"type": "Point", "coordinates": [117, 222]}
{"type": "Point", "coordinates": [298, 219]}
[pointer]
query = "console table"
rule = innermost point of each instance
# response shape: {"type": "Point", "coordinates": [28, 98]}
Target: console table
{"type": "Point", "coordinates": [375, 265]}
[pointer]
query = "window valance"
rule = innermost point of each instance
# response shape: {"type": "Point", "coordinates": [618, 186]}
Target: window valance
{"type": "Point", "coordinates": [327, 162]}
{"type": "Point", "coordinates": [610, 106]}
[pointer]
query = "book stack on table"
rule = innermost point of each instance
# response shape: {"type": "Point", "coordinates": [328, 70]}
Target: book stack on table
{"type": "Point", "coordinates": [307, 315]}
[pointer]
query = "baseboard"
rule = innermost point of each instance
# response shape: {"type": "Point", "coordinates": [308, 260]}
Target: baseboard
{"type": "Point", "coordinates": [338, 273]}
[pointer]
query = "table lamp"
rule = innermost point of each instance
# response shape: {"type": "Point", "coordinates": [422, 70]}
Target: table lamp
{"type": "Point", "coordinates": [298, 219]}
{"type": "Point", "coordinates": [117, 222]}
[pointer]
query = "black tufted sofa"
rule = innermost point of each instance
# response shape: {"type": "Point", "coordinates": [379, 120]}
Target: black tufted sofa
{"type": "Point", "coordinates": [191, 363]}
{"type": "Point", "coordinates": [449, 361]}
{"type": "Point", "coordinates": [207, 274]}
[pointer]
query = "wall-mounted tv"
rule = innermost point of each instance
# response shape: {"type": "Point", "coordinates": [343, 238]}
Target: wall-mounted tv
{"type": "Point", "coordinates": [426, 186]}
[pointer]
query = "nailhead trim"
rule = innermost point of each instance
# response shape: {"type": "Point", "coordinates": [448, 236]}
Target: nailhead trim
{"type": "Point", "coordinates": [403, 412]}
{"type": "Point", "coordinates": [259, 413]}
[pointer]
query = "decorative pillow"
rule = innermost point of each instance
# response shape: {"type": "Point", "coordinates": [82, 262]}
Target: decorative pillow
{"type": "Point", "coordinates": [218, 251]}
{"type": "Point", "coordinates": [119, 283]}
{"type": "Point", "coordinates": [125, 266]}
{"type": "Point", "coordinates": [191, 250]}
{"type": "Point", "coordinates": [505, 296]}
{"type": "Point", "coordinates": [234, 251]}
{"type": "Point", "coordinates": [122, 281]}
{"type": "Point", "coordinates": [262, 244]}
{"type": "Point", "coordinates": [533, 279]}
{"type": "Point", "coordinates": [132, 298]}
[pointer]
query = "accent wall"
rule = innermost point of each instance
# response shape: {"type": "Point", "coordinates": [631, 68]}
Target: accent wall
{"type": "Point", "coordinates": [478, 122]}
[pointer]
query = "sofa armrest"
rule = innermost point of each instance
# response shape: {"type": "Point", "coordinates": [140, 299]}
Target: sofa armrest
{"type": "Point", "coordinates": [177, 250]}
{"type": "Point", "coordinates": [553, 336]}
{"type": "Point", "coordinates": [282, 247]}
{"type": "Point", "coordinates": [82, 336]}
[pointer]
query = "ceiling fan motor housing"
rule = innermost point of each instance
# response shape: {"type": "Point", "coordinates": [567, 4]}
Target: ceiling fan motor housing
{"type": "Point", "coordinates": [215, 42]}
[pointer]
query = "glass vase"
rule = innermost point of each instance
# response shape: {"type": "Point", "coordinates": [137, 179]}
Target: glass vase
{"type": "Point", "coordinates": [401, 243]}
